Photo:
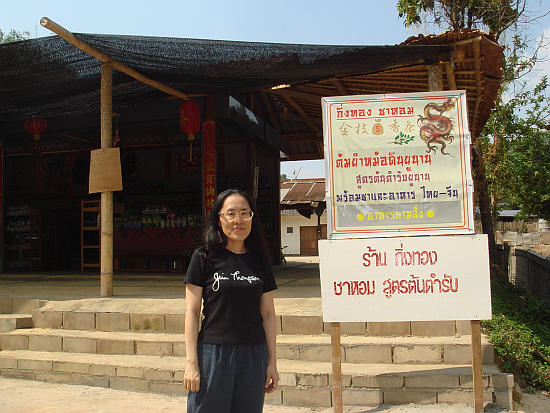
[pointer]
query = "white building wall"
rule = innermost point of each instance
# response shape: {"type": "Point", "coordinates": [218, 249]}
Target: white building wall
{"type": "Point", "coordinates": [291, 219]}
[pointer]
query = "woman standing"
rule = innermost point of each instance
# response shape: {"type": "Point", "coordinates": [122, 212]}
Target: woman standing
{"type": "Point", "coordinates": [232, 362]}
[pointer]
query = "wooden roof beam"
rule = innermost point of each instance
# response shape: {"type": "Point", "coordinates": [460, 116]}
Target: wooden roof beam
{"type": "Point", "coordinates": [340, 86]}
{"type": "Point", "coordinates": [310, 97]}
{"type": "Point", "coordinates": [302, 137]}
{"type": "Point", "coordinates": [270, 112]}
{"type": "Point", "coordinates": [121, 67]}
{"type": "Point", "coordinates": [304, 156]}
{"type": "Point", "coordinates": [302, 112]}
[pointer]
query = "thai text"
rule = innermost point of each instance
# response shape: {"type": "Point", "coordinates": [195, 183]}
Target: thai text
{"type": "Point", "coordinates": [414, 285]}
{"type": "Point", "coordinates": [431, 194]}
{"type": "Point", "coordinates": [356, 161]}
{"type": "Point", "coordinates": [405, 258]}
{"type": "Point", "coordinates": [374, 257]}
{"type": "Point", "coordinates": [395, 215]}
{"type": "Point", "coordinates": [354, 287]}
{"type": "Point", "coordinates": [342, 113]}
{"type": "Point", "coordinates": [391, 178]}
{"type": "Point", "coordinates": [376, 196]}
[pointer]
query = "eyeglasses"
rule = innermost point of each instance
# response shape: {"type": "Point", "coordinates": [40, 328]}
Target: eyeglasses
{"type": "Point", "coordinates": [245, 215]}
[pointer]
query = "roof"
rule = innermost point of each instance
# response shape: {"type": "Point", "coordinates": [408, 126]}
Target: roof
{"type": "Point", "coordinates": [283, 83]}
{"type": "Point", "coordinates": [50, 77]}
{"type": "Point", "coordinates": [303, 192]}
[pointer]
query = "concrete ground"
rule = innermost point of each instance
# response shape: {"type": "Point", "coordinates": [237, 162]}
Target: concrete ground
{"type": "Point", "coordinates": [25, 396]}
{"type": "Point", "coordinates": [299, 292]}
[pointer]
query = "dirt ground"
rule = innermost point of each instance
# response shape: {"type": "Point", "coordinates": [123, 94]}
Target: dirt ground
{"type": "Point", "coordinates": [17, 396]}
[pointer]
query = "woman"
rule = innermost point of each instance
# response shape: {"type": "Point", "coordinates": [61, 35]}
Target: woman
{"type": "Point", "coordinates": [232, 362]}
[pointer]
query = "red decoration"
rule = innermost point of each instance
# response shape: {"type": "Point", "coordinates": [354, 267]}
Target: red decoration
{"type": "Point", "coordinates": [190, 122]}
{"type": "Point", "coordinates": [190, 118]}
{"type": "Point", "coordinates": [209, 165]}
{"type": "Point", "coordinates": [36, 127]}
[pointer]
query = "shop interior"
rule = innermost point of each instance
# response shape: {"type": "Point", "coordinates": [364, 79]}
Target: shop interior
{"type": "Point", "coordinates": [52, 223]}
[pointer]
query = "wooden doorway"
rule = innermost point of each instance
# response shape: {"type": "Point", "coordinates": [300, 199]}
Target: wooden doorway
{"type": "Point", "coordinates": [308, 239]}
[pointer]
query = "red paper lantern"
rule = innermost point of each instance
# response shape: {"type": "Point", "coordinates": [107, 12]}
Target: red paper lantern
{"type": "Point", "coordinates": [35, 126]}
{"type": "Point", "coordinates": [190, 122]}
{"type": "Point", "coordinates": [190, 118]}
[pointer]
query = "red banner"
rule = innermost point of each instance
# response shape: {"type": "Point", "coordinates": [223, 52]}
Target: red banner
{"type": "Point", "coordinates": [209, 167]}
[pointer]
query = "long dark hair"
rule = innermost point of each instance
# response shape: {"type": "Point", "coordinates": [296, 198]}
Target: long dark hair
{"type": "Point", "coordinates": [215, 239]}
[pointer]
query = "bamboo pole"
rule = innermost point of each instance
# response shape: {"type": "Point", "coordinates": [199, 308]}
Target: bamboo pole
{"type": "Point", "coordinates": [477, 368]}
{"type": "Point", "coordinates": [121, 67]}
{"type": "Point", "coordinates": [337, 402]}
{"type": "Point", "coordinates": [106, 210]}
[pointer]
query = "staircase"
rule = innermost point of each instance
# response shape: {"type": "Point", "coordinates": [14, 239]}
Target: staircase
{"type": "Point", "coordinates": [108, 346]}
{"type": "Point", "coordinates": [15, 314]}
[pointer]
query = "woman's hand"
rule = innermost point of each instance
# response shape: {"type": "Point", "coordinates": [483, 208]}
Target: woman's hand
{"type": "Point", "coordinates": [272, 378]}
{"type": "Point", "coordinates": [192, 377]}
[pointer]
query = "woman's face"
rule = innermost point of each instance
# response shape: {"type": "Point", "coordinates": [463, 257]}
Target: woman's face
{"type": "Point", "coordinates": [236, 230]}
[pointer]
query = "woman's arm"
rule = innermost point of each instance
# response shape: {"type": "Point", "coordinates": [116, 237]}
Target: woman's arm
{"type": "Point", "coordinates": [193, 297]}
{"type": "Point", "coordinates": [267, 309]}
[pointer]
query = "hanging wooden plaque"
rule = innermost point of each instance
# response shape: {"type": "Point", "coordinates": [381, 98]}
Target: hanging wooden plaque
{"type": "Point", "coordinates": [105, 173]}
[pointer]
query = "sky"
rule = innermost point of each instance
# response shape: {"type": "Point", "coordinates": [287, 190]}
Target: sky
{"type": "Point", "coordinates": [349, 22]}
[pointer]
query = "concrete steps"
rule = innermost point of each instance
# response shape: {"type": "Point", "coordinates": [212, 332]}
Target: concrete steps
{"type": "Point", "coordinates": [16, 314]}
{"type": "Point", "coordinates": [305, 383]}
{"type": "Point", "coordinates": [355, 349]}
{"type": "Point", "coordinates": [10, 322]}
{"type": "Point", "coordinates": [99, 342]}
{"type": "Point", "coordinates": [81, 317]}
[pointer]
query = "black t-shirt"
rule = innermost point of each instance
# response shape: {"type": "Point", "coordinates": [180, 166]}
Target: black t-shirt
{"type": "Point", "coordinates": [232, 287]}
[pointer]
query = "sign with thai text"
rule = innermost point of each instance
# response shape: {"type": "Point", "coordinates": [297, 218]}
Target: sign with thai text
{"type": "Point", "coordinates": [405, 279]}
{"type": "Point", "coordinates": [398, 165]}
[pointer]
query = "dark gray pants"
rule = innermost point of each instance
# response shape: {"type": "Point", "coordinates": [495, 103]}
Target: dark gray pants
{"type": "Point", "coordinates": [232, 379]}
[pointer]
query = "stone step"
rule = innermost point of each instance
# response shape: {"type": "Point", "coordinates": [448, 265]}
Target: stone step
{"type": "Point", "coordinates": [303, 383]}
{"type": "Point", "coordinates": [100, 342]}
{"type": "Point", "coordinates": [81, 319]}
{"type": "Point", "coordinates": [10, 322]}
{"type": "Point", "coordinates": [384, 350]}
{"type": "Point", "coordinates": [355, 349]}
{"type": "Point", "coordinates": [19, 306]}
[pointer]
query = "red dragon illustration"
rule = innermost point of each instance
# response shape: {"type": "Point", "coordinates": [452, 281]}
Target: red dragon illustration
{"type": "Point", "coordinates": [436, 128]}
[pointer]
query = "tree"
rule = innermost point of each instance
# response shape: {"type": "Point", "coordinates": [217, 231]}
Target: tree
{"type": "Point", "coordinates": [13, 36]}
{"type": "Point", "coordinates": [516, 141]}
{"type": "Point", "coordinates": [496, 15]}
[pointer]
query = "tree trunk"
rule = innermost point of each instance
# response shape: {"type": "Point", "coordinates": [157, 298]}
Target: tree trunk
{"type": "Point", "coordinates": [480, 186]}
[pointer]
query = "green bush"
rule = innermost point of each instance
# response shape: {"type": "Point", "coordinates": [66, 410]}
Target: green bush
{"type": "Point", "coordinates": [520, 332]}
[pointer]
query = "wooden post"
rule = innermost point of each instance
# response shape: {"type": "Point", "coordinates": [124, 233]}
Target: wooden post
{"type": "Point", "coordinates": [435, 78]}
{"type": "Point", "coordinates": [477, 368]}
{"type": "Point", "coordinates": [121, 67]}
{"type": "Point", "coordinates": [337, 403]}
{"type": "Point", "coordinates": [106, 242]}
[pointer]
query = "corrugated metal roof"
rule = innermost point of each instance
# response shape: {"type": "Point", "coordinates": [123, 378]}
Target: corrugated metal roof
{"type": "Point", "coordinates": [305, 192]}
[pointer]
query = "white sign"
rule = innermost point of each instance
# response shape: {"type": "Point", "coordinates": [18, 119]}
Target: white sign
{"type": "Point", "coordinates": [405, 279]}
{"type": "Point", "coordinates": [398, 165]}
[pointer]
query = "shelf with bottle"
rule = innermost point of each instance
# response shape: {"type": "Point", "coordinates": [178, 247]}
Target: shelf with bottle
{"type": "Point", "coordinates": [158, 216]}
{"type": "Point", "coordinates": [22, 243]}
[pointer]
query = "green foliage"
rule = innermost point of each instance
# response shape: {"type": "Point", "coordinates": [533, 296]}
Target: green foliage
{"type": "Point", "coordinates": [496, 15]}
{"type": "Point", "coordinates": [13, 36]}
{"type": "Point", "coordinates": [402, 139]}
{"type": "Point", "coordinates": [520, 332]}
{"type": "Point", "coordinates": [516, 139]}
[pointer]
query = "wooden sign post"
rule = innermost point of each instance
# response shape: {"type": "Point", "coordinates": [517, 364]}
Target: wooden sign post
{"type": "Point", "coordinates": [405, 279]}
{"type": "Point", "coordinates": [398, 175]}
{"type": "Point", "coordinates": [337, 402]}
{"type": "Point", "coordinates": [477, 368]}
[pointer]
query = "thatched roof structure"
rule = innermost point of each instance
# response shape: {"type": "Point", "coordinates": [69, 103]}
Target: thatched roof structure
{"type": "Point", "coordinates": [283, 83]}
